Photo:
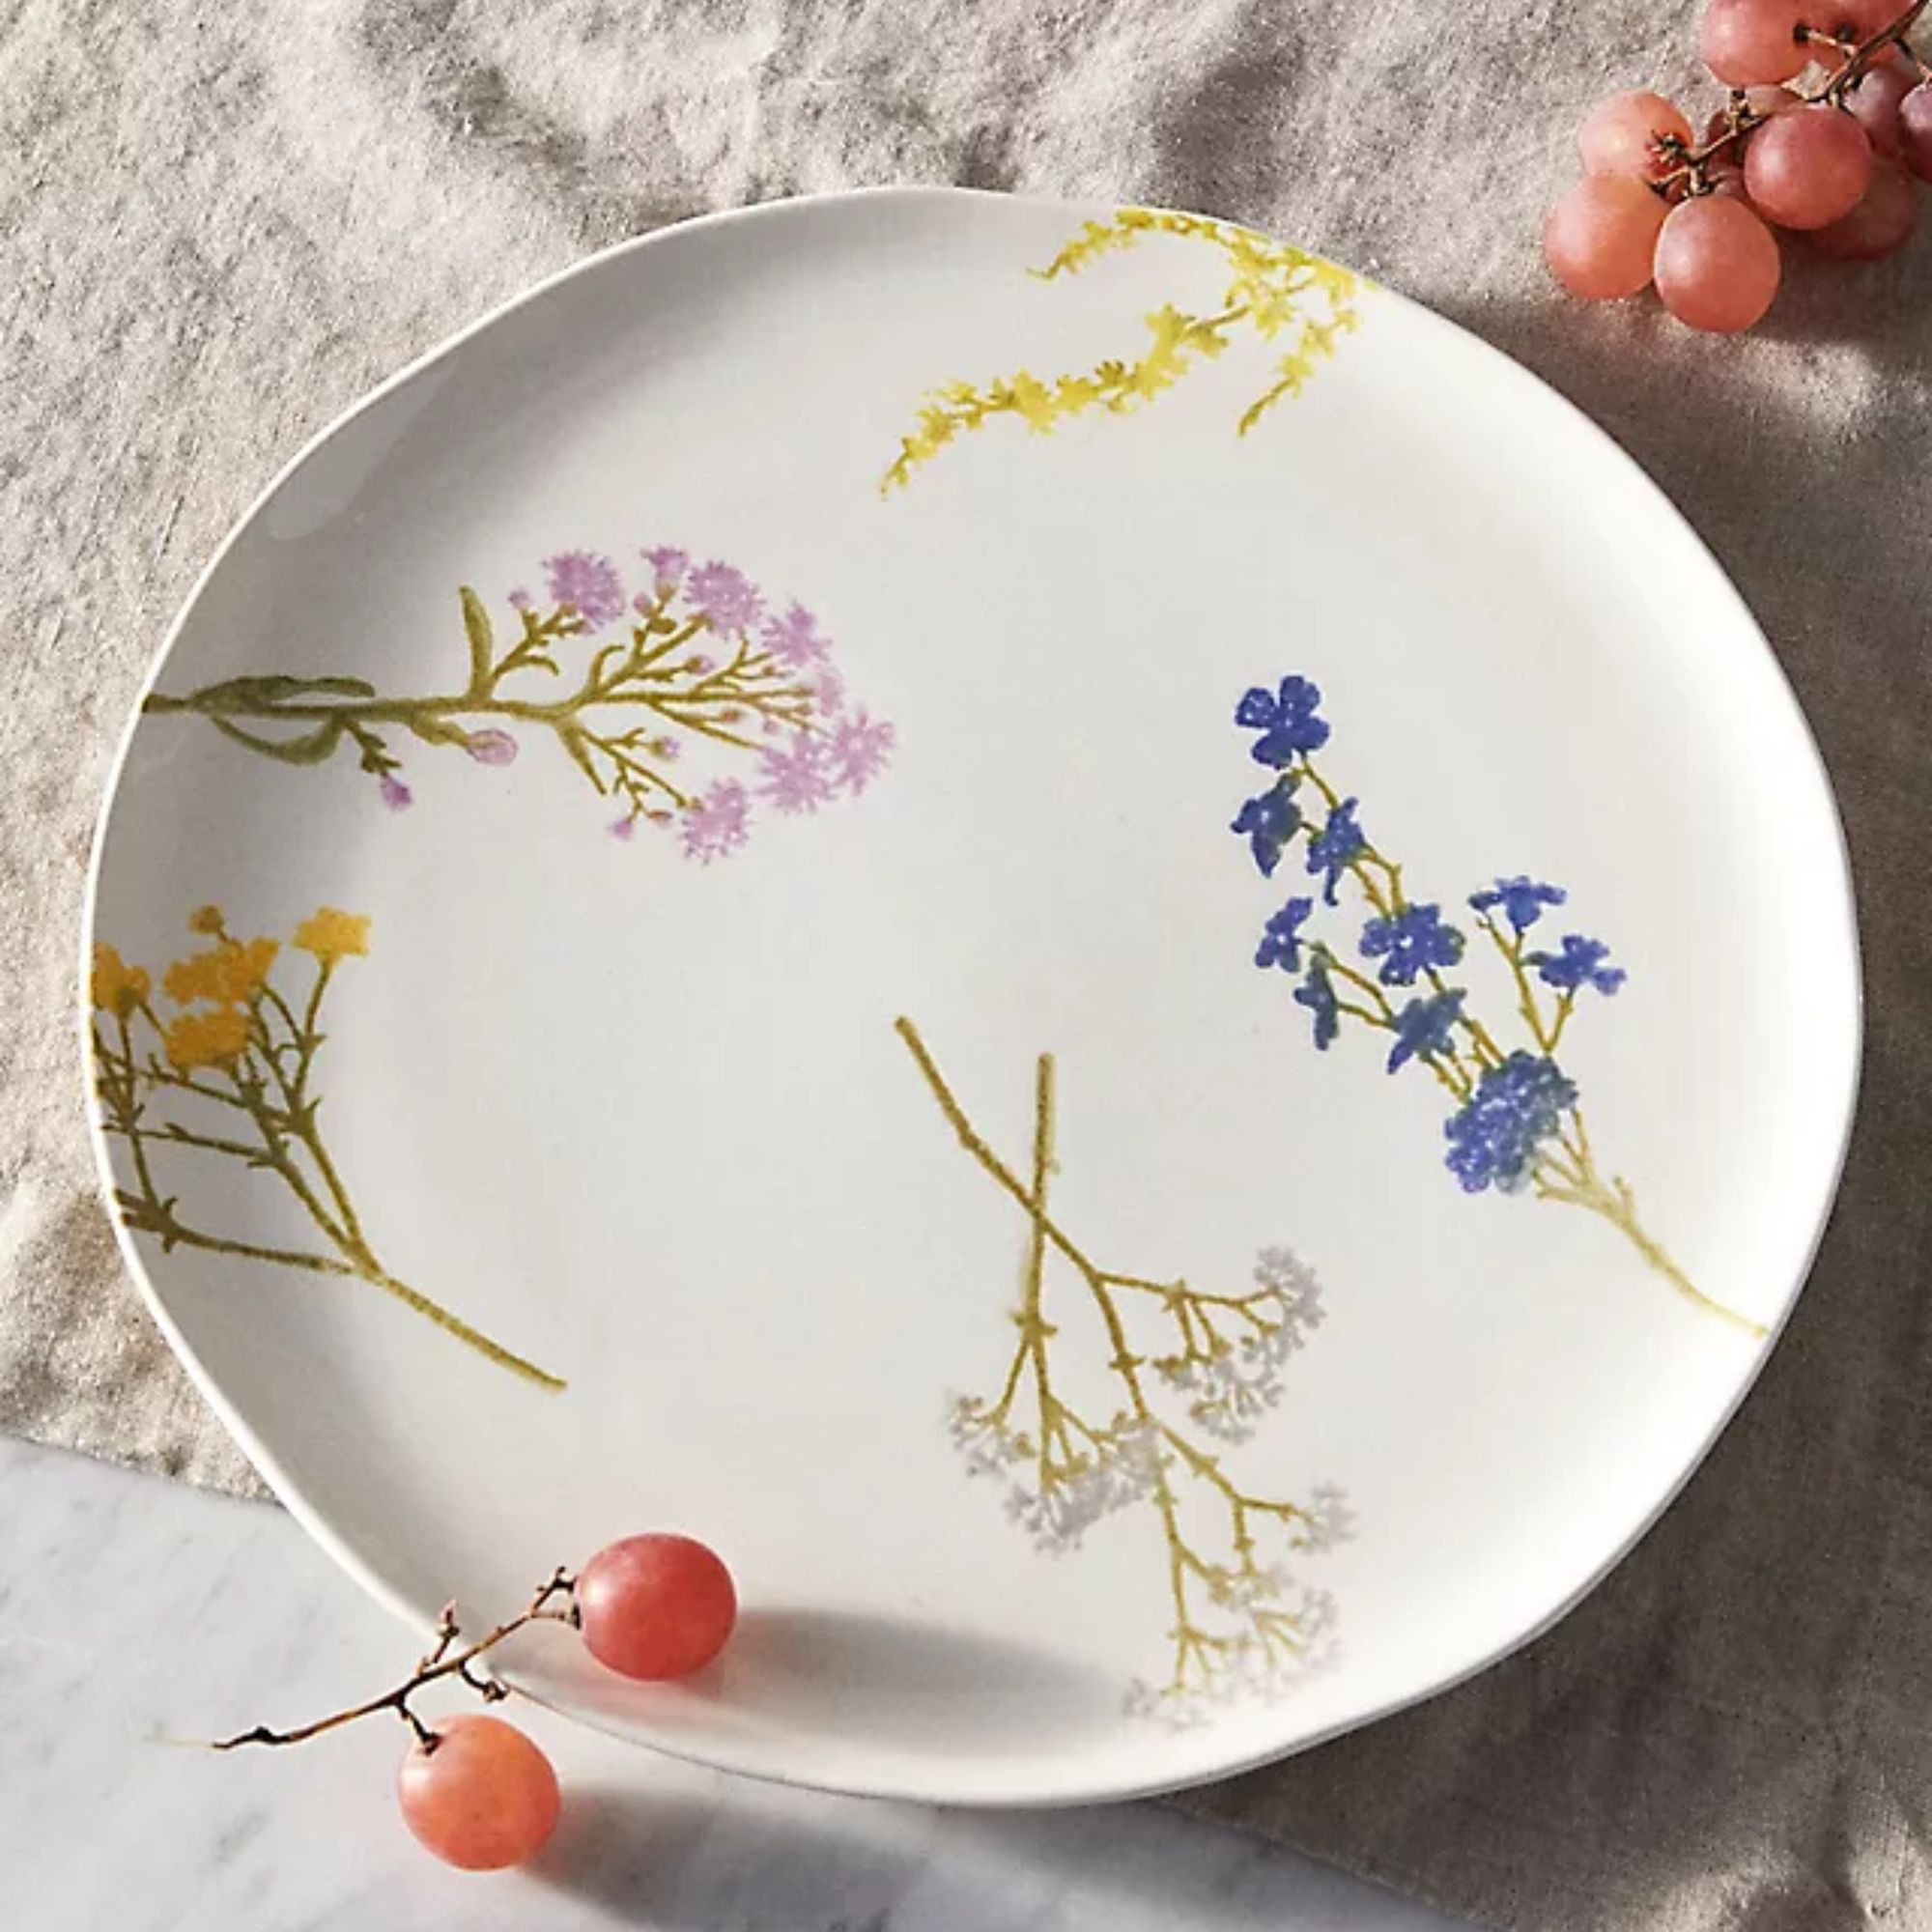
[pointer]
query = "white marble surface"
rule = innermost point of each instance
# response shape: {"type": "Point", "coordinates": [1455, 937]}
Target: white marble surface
{"type": "Point", "coordinates": [134, 1611]}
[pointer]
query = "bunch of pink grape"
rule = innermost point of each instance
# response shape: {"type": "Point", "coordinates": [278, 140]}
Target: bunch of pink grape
{"type": "Point", "coordinates": [477, 1792]}
{"type": "Point", "coordinates": [1828, 120]}
{"type": "Point", "coordinates": [474, 1790]}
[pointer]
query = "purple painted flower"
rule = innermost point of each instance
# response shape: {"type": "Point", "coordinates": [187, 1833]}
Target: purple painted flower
{"type": "Point", "coordinates": [1267, 821]}
{"type": "Point", "coordinates": [862, 747]}
{"type": "Point", "coordinates": [396, 795]}
{"type": "Point", "coordinates": [667, 565]}
{"type": "Point", "coordinates": [725, 596]}
{"type": "Point", "coordinates": [795, 638]}
{"type": "Point", "coordinates": [1521, 899]}
{"type": "Point", "coordinates": [1495, 1136]}
{"type": "Point", "coordinates": [1286, 718]}
{"type": "Point", "coordinates": [1414, 940]}
{"type": "Point", "coordinates": [589, 583]}
{"type": "Point", "coordinates": [799, 779]}
{"type": "Point", "coordinates": [1426, 1028]}
{"type": "Point", "coordinates": [625, 829]}
{"type": "Point", "coordinates": [520, 598]}
{"type": "Point", "coordinates": [716, 824]}
{"type": "Point", "coordinates": [1582, 963]}
{"type": "Point", "coordinates": [491, 746]}
{"type": "Point", "coordinates": [1317, 992]}
{"type": "Point", "coordinates": [1336, 848]}
{"type": "Point", "coordinates": [1281, 937]}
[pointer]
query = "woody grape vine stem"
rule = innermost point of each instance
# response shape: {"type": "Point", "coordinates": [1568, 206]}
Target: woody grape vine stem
{"type": "Point", "coordinates": [1741, 119]}
{"type": "Point", "coordinates": [442, 1661]}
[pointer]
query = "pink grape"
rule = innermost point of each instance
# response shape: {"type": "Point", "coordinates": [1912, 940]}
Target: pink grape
{"type": "Point", "coordinates": [1619, 136]}
{"type": "Point", "coordinates": [1914, 131]}
{"type": "Point", "coordinates": [1808, 168]}
{"type": "Point", "coordinates": [1750, 43]}
{"type": "Point", "coordinates": [1725, 169]}
{"type": "Point", "coordinates": [1600, 238]}
{"type": "Point", "coordinates": [1881, 224]}
{"type": "Point", "coordinates": [484, 1799]}
{"type": "Point", "coordinates": [1860, 19]}
{"type": "Point", "coordinates": [659, 1606]}
{"type": "Point", "coordinates": [1874, 105]}
{"type": "Point", "coordinates": [1718, 264]}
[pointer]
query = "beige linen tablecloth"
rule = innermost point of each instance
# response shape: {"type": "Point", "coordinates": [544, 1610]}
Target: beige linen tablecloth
{"type": "Point", "coordinates": [222, 223]}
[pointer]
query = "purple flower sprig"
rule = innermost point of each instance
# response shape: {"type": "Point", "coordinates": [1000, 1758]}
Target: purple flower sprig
{"type": "Point", "coordinates": [1516, 1123]}
{"type": "Point", "coordinates": [682, 671]}
{"type": "Point", "coordinates": [1409, 946]}
{"type": "Point", "coordinates": [1406, 945]}
{"type": "Point", "coordinates": [1403, 946]}
{"type": "Point", "coordinates": [722, 664]}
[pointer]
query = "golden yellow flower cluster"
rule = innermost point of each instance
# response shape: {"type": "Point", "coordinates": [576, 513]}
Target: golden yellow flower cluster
{"type": "Point", "coordinates": [229, 976]}
{"type": "Point", "coordinates": [219, 985]}
{"type": "Point", "coordinates": [116, 987]}
{"type": "Point", "coordinates": [215, 1037]}
{"type": "Point", "coordinates": [230, 972]}
{"type": "Point", "coordinates": [331, 935]}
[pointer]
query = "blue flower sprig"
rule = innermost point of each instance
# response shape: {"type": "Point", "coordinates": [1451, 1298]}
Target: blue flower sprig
{"type": "Point", "coordinates": [1518, 1122]}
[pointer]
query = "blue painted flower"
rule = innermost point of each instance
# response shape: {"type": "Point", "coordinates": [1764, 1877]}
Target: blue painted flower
{"type": "Point", "coordinates": [1496, 1135]}
{"type": "Point", "coordinates": [1267, 821]}
{"type": "Point", "coordinates": [1521, 899]}
{"type": "Point", "coordinates": [1339, 844]}
{"type": "Point", "coordinates": [1413, 941]}
{"type": "Point", "coordinates": [1317, 992]}
{"type": "Point", "coordinates": [1581, 963]}
{"type": "Point", "coordinates": [1280, 945]}
{"type": "Point", "coordinates": [1425, 1027]}
{"type": "Point", "coordinates": [1285, 719]}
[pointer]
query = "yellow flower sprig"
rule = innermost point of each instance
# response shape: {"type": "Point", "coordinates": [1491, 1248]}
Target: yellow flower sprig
{"type": "Point", "coordinates": [231, 1074]}
{"type": "Point", "coordinates": [1286, 296]}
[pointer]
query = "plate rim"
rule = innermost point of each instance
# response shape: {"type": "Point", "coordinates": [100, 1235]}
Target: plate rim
{"type": "Point", "coordinates": [718, 1755]}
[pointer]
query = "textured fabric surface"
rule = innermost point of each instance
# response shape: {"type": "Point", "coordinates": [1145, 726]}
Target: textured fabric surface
{"type": "Point", "coordinates": [219, 225]}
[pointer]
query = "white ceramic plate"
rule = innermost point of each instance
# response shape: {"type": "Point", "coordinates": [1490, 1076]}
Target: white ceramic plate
{"type": "Point", "coordinates": [814, 1168]}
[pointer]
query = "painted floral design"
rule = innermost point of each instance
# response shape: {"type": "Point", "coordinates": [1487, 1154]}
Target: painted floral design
{"type": "Point", "coordinates": [229, 1071]}
{"type": "Point", "coordinates": [1516, 1124]}
{"type": "Point", "coordinates": [698, 704]}
{"type": "Point", "coordinates": [1189, 1373]}
{"type": "Point", "coordinates": [1297, 305]}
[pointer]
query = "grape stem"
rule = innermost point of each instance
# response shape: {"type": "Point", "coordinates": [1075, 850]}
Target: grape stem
{"type": "Point", "coordinates": [1690, 171]}
{"type": "Point", "coordinates": [443, 1660]}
